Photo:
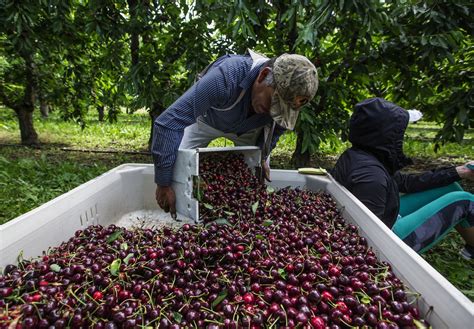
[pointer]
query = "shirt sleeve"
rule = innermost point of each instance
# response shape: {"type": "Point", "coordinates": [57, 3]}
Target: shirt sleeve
{"type": "Point", "coordinates": [210, 90]}
{"type": "Point", "coordinates": [412, 183]}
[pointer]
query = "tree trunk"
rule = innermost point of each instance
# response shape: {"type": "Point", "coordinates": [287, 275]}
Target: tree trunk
{"type": "Point", "coordinates": [27, 130]}
{"type": "Point", "coordinates": [44, 108]}
{"type": "Point", "coordinates": [134, 35]}
{"type": "Point", "coordinates": [25, 109]}
{"type": "Point", "coordinates": [100, 109]}
{"type": "Point", "coordinates": [300, 159]}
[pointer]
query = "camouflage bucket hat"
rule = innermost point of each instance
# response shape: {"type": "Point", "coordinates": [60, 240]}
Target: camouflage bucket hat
{"type": "Point", "coordinates": [296, 81]}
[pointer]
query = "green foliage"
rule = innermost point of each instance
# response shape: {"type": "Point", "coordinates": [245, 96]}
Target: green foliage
{"type": "Point", "coordinates": [446, 259]}
{"type": "Point", "coordinates": [140, 54]}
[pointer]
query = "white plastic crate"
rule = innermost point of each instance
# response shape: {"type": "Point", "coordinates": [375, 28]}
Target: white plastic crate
{"type": "Point", "coordinates": [186, 171]}
{"type": "Point", "coordinates": [130, 187]}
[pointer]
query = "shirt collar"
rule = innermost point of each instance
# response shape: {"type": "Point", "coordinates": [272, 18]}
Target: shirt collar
{"type": "Point", "coordinates": [251, 76]}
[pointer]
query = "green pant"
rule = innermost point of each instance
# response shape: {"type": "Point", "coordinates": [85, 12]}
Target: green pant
{"type": "Point", "coordinates": [426, 217]}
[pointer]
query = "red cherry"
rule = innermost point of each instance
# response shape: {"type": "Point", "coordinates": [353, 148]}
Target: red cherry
{"type": "Point", "coordinates": [274, 307]}
{"type": "Point", "coordinates": [342, 307]}
{"type": "Point", "coordinates": [255, 287]}
{"type": "Point", "coordinates": [248, 298]}
{"type": "Point", "coordinates": [97, 295]}
{"type": "Point", "coordinates": [186, 227]}
{"type": "Point", "coordinates": [334, 271]}
{"type": "Point", "coordinates": [240, 248]}
{"type": "Point", "coordinates": [124, 294]}
{"type": "Point", "coordinates": [36, 297]}
{"type": "Point", "coordinates": [318, 322]}
{"type": "Point", "coordinates": [326, 295]}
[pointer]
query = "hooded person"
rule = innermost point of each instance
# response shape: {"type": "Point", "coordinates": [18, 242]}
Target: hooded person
{"type": "Point", "coordinates": [248, 99]}
{"type": "Point", "coordinates": [433, 202]}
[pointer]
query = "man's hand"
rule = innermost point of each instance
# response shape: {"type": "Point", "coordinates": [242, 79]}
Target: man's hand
{"type": "Point", "coordinates": [265, 171]}
{"type": "Point", "coordinates": [464, 172]}
{"type": "Point", "coordinates": [166, 198]}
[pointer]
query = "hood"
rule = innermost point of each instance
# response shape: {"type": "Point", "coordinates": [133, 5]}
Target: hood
{"type": "Point", "coordinates": [378, 126]}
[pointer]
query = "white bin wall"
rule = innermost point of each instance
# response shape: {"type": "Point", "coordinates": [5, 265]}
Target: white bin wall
{"type": "Point", "coordinates": [127, 188]}
{"type": "Point", "coordinates": [102, 200]}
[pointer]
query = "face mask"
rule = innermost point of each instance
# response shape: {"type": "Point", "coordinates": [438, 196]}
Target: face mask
{"type": "Point", "coordinates": [282, 113]}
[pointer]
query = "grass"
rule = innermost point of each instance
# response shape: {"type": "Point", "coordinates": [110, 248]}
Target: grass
{"type": "Point", "coordinates": [30, 177]}
{"type": "Point", "coordinates": [29, 182]}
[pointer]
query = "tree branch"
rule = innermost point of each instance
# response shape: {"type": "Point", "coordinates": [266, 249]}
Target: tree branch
{"type": "Point", "coordinates": [5, 100]}
{"type": "Point", "coordinates": [345, 62]}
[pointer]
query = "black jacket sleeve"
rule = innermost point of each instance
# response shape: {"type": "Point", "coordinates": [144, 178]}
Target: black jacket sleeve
{"type": "Point", "coordinates": [371, 188]}
{"type": "Point", "coordinates": [412, 183]}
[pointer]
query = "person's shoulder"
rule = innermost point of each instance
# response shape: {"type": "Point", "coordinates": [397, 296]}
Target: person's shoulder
{"type": "Point", "coordinates": [365, 168]}
{"type": "Point", "coordinates": [372, 174]}
{"type": "Point", "coordinates": [355, 167]}
{"type": "Point", "coordinates": [236, 64]}
{"type": "Point", "coordinates": [237, 59]}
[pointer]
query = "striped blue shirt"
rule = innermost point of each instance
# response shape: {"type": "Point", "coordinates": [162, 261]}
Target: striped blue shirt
{"type": "Point", "coordinates": [218, 88]}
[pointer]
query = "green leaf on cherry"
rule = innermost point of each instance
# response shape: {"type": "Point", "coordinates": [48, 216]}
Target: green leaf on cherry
{"type": "Point", "coordinates": [177, 316]}
{"type": "Point", "coordinates": [208, 206]}
{"type": "Point", "coordinates": [254, 207]}
{"type": "Point", "coordinates": [115, 266]}
{"type": "Point", "coordinates": [55, 267]}
{"type": "Point", "coordinates": [114, 236]}
{"type": "Point", "coordinates": [127, 259]}
{"type": "Point", "coordinates": [222, 295]}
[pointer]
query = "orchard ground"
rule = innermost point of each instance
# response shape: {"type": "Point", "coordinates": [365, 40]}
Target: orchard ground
{"type": "Point", "coordinates": [70, 156]}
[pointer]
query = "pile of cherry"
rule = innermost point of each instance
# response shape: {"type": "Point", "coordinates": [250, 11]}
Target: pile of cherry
{"type": "Point", "coordinates": [263, 259]}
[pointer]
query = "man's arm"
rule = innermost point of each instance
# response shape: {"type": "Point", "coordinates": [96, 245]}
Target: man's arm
{"type": "Point", "coordinates": [169, 126]}
{"type": "Point", "coordinates": [277, 132]}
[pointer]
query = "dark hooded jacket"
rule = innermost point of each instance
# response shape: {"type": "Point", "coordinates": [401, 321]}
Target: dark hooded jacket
{"type": "Point", "coordinates": [370, 168]}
